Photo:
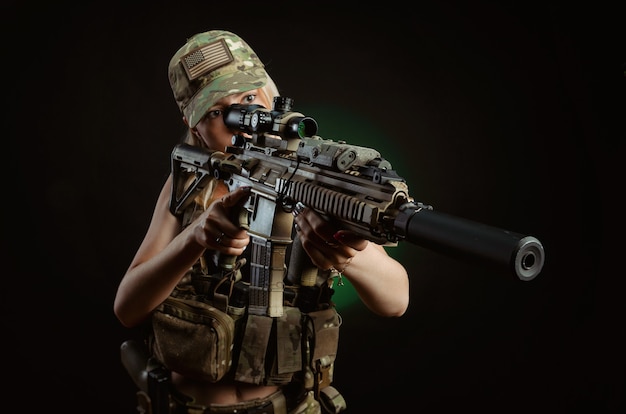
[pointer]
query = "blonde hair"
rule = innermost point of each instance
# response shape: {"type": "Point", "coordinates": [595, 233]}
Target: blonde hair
{"type": "Point", "coordinates": [205, 197]}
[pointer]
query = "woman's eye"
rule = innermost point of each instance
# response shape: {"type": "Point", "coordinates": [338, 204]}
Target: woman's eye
{"type": "Point", "coordinates": [250, 98]}
{"type": "Point", "coordinates": [214, 113]}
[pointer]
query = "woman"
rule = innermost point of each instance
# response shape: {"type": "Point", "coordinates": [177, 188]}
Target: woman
{"type": "Point", "coordinates": [209, 73]}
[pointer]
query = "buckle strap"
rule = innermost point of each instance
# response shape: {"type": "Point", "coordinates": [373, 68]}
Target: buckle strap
{"type": "Point", "coordinates": [275, 403]}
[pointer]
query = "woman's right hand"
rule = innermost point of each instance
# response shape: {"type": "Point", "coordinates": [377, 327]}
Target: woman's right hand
{"type": "Point", "coordinates": [216, 229]}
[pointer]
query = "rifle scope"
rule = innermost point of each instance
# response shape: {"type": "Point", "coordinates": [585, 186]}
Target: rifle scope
{"type": "Point", "coordinates": [256, 119]}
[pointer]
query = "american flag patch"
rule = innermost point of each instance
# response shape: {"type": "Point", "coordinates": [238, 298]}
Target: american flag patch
{"type": "Point", "coordinates": [206, 58]}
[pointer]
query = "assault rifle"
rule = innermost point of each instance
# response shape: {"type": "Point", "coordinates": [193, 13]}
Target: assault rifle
{"type": "Point", "coordinates": [279, 156]}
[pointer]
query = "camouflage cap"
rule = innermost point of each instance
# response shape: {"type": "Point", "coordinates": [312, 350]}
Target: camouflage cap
{"type": "Point", "coordinates": [210, 66]}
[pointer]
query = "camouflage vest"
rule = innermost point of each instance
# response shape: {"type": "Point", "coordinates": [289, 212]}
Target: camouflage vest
{"type": "Point", "coordinates": [206, 321]}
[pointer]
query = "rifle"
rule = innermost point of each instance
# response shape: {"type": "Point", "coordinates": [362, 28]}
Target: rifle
{"type": "Point", "coordinates": [278, 154]}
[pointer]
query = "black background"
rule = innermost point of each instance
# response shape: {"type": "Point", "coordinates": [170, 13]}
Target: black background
{"type": "Point", "coordinates": [507, 113]}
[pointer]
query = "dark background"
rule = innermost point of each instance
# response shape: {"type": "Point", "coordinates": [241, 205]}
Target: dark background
{"type": "Point", "coordinates": [508, 113]}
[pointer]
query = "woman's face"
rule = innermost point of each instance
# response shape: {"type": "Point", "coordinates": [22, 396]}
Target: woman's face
{"type": "Point", "coordinates": [212, 128]}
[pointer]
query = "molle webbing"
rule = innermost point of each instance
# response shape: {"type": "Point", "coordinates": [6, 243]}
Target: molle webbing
{"type": "Point", "coordinates": [271, 349]}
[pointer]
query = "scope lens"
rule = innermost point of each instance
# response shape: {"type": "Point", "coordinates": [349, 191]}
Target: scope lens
{"type": "Point", "coordinates": [307, 127]}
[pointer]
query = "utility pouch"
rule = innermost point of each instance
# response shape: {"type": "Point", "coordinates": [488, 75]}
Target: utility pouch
{"type": "Point", "coordinates": [193, 338]}
{"type": "Point", "coordinates": [271, 348]}
{"type": "Point", "coordinates": [324, 341]}
{"type": "Point", "coordinates": [256, 338]}
{"type": "Point", "coordinates": [288, 357]}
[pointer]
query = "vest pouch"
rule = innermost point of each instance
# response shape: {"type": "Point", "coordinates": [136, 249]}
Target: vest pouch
{"type": "Point", "coordinates": [193, 338]}
{"type": "Point", "coordinates": [324, 341]}
{"type": "Point", "coordinates": [271, 348]}
{"type": "Point", "coordinates": [325, 326]}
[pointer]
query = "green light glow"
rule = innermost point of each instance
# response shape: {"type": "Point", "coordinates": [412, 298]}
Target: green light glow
{"type": "Point", "coordinates": [301, 129]}
{"type": "Point", "coordinates": [340, 124]}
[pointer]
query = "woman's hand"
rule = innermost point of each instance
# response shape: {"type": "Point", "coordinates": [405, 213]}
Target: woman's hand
{"type": "Point", "coordinates": [327, 247]}
{"type": "Point", "coordinates": [217, 229]}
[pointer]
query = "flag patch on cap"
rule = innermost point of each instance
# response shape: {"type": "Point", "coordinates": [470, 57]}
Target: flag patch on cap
{"type": "Point", "coordinates": [206, 59]}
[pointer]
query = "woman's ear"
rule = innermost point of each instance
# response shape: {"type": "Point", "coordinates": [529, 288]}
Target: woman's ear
{"type": "Point", "coordinates": [194, 130]}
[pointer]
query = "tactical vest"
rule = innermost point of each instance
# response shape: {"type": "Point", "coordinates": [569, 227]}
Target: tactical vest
{"type": "Point", "coordinates": [205, 329]}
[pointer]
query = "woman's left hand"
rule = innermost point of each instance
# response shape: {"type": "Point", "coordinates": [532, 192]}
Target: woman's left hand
{"type": "Point", "coordinates": [327, 247]}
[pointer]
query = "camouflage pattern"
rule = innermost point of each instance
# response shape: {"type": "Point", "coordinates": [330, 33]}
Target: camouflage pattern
{"type": "Point", "coordinates": [308, 406]}
{"type": "Point", "coordinates": [288, 338]}
{"type": "Point", "coordinates": [195, 96]}
{"type": "Point", "coordinates": [251, 366]}
{"type": "Point", "coordinates": [288, 355]}
{"type": "Point", "coordinates": [326, 325]}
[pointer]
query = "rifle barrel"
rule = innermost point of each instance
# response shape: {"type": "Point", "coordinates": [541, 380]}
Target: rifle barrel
{"type": "Point", "coordinates": [523, 255]}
